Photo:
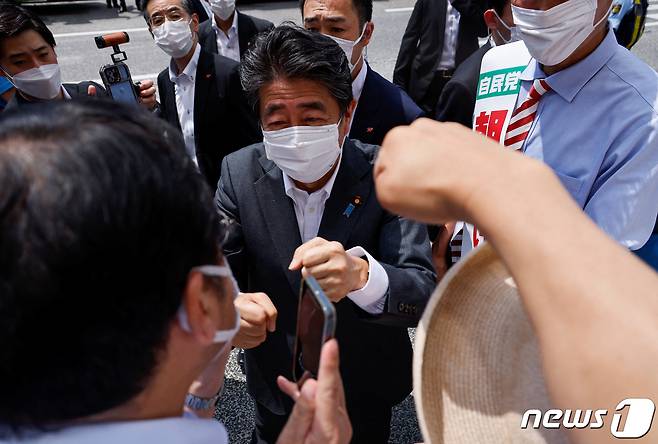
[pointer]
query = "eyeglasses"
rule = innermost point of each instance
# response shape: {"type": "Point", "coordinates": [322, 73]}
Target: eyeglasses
{"type": "Point", "coordinates": [158, 18]}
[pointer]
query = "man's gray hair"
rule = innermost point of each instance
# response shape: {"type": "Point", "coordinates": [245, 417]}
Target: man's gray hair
{"type": "Point", "coordinates": [289, 51]}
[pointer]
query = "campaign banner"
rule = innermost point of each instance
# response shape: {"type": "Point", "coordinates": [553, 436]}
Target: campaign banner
{"type": "Point", "coordinates": [497, 92]}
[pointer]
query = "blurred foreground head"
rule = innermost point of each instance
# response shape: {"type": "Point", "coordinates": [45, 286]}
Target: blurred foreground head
{"type": "Point", "coordinates": [102, 216]}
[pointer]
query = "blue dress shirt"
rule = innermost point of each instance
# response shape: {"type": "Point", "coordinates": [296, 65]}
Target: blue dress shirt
{"type": "Point", "coordinates": [598, 130]}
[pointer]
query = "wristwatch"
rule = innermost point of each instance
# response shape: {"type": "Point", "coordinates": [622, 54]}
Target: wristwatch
{"type": "Point", "coordinates": [198, 403]}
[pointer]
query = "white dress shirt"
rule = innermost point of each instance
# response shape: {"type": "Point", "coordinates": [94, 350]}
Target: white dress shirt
{"type": "Point", "coordinates": [357, 88]}
{"type": "Point", "coordinates": [178, 430]}
{"type": "Point", "coordinates": [309, 209]}
{"type": "Point", "coordinates": [449, 51]}
{"type": "Point", "coordinates": [184, 91]}
{"type": "Point", "coordinates": [228, 45]}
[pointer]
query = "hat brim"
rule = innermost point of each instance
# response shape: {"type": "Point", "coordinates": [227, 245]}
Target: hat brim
{"type": "Point", "coordinates": [477, 365]}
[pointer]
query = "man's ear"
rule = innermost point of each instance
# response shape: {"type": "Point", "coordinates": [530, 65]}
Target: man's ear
{"type": "Point", "coordinates": [490, 20]}
{"type": "Point", "coordinates": [367, 35]}
{"type": "Point", "coordinates": [201, 324]}
{"type": "Point", "coordinates": [347, 119]}
{"type": "Point", "coordinates": [195, 22]}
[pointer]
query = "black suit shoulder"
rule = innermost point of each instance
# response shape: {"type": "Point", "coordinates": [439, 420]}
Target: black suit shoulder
{"type": "Point", "coordinates": [225, 67]}
{"type": "Point", "coordinates": [396, 100]}
{"type": "Point", "coordinates": [457, 100]}
{"type": "Point", "coordinates": [468, 73]}
{"type": "Point", "coordinates": [207, 36]}
{"type": "Point", "coordinates": [260, 24]}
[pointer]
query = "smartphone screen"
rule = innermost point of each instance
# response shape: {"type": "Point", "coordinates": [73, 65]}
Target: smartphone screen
{"type": "Point", "coordinates": [123, 92]}
{"type": "Point", "coordinates": [316, 318]}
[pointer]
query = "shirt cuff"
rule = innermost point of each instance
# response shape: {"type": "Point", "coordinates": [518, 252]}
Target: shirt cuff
{"type": "Point", "coordinates": [372, 296]}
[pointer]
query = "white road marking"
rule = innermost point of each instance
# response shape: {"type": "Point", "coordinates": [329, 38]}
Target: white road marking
{"type": "Point", "coordinates": [652, 16]}
{"type": "Point", "coordinates": [100, 32]}
{"type": "Point", "coordinates": [651, 25]}
{"type": "Point", "coordinates": [399, 9]}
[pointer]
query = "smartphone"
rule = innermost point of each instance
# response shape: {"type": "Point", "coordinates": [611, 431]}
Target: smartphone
{"type": "Point", "coordinates": [118, 83]}
{"type": "Point", "coordinates": [316, 324]}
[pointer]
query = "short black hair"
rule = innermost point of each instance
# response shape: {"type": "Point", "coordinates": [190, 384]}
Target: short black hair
{"type": "Point", "coordinates": [363, 9]}
{"type": "Point", "coordinates": [15, 19]}
{"type": "Point", "coordinates": [498, 6]}
{"type": "Point", "coordinates": [100, 224]}
{"type": "Point", "coordinates": [290, 51]}
{"type": "Point", "coordinates": [187, 7]}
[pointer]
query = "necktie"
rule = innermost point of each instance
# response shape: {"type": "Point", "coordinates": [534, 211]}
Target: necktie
{"type": "Point", "coordinates": [524, 115]}
{"type": "Point", "coordinates": [456, 247]}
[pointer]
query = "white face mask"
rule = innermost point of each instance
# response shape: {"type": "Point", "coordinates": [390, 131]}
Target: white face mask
{"type": "Point", "coordinates": [553, 35]}
{"type": "Point", "coordinates": [305, 153]}
{"type": "Point", "coordinates": [348, 46]}
{"type": "Point", "coordinates": [174, 38]}
{"type": "Point", "coordinates": [44, 82]}
{"type": "Point", "coordinates": [222, 8]}
{"type": "Point", "coordinates": [513, 31]}
{"type": "Point", "coordinates": [221, 336]}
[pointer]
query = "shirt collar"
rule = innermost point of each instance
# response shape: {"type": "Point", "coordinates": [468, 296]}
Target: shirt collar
{"type": "Point", "coordinates": [290, 187]}
{"type": "Point", "coordinates": [568, 82]}
{"type": "Point", "coordinates": [234, 26]}
{"type": "Point", "coordinates": [190, 69]}
{"type": "Point", "coordinates": [65, 94]}
{"type": "Point", "coordinates": [359, 81]}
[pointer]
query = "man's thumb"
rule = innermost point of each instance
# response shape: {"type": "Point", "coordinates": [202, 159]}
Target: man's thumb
{"type": "Point", "coordinates": [300, 419]}
{"type": "Point", "coordinates": [91, 90]}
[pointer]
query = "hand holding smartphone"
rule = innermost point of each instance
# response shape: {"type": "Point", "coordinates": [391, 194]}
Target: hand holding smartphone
{"type": "Point", "coordinates": [316, 324]}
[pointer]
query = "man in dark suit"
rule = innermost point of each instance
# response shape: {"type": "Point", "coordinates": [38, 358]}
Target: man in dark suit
{"type": "Point", "coordinates": [28, 60]}
{"type": "Point", "coordinates": [457, 99]}
{"type": "Point", "coordinates": [307, 192]}
{"type": "Point", "coordinates": [439, 36]}
{"type": "Point", "coordinates": [229, 32]}
{"type": "Point", "coordinates": [380, 104]}
{"type": "Point", "coordinates": [200, 93]}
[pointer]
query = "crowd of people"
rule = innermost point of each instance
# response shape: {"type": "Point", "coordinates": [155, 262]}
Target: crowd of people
{"type": "Point", "coordinates": [137, 248]}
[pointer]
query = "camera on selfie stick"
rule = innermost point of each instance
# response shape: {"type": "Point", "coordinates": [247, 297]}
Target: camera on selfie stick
{"type": "Point", "coordinates": [116, 77]}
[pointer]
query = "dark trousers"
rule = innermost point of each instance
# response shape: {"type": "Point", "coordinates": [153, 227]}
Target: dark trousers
{"type": "Point", "coordinates": [429, 102]}
{"type": "Point", "coordinates": [370, 417]}
{"type": "Point", "coordinates": [114, 3]}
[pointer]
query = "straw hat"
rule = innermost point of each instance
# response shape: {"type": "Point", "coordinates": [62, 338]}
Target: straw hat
{"type": "Point", "coordinates": [477, 367]}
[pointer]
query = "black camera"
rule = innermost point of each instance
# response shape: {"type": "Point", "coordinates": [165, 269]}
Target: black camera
{"type": "Point", "coordinates": [116, 77]}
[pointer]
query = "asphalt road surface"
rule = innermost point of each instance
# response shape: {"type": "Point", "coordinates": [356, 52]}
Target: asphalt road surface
{"type": "Point", "coordinates": [76, 23]}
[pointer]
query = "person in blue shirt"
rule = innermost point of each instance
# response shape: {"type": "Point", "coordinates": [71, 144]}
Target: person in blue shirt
{"type": "Point", "coordinates": [596, 125]}
{"type": "Point", "coordinates": [7, 91]}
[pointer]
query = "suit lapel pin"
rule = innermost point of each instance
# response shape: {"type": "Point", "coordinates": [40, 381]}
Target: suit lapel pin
{"type": "Point", "coordinates": [208, 76]}
{"type": "Point", "coordinates": [356, 201]}
{"type": "Point", "coordinates": [369, 129]}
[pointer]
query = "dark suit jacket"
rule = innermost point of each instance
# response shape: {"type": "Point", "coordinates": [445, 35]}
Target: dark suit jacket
{"type": "Point", "coordinates": [457, 99]}
{"type": "Point", "coordinates": [422, 43]}
{"type": "Point", "coordinates": [75, 90]}
{"type": "Point", "coordinates": [248, 28]}
{"type": "Point", "coordinates": [375, 352]}
{"type": "Point", "coordinates": [223, 121]}
{"type": "Point", "coordinates": [382, 106]}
